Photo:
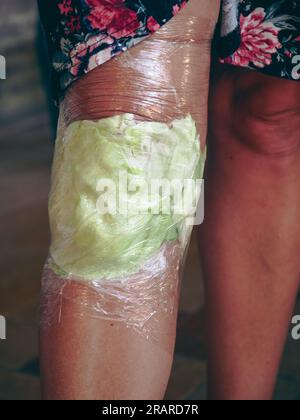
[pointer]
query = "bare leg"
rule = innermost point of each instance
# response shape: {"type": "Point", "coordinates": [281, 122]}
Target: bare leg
{"type": "Point", "coordinates": [87, 357]}
{"type": "Point", "coordinates": [251, 235]}
{"type": "Point", "coordinates": [84, 356]}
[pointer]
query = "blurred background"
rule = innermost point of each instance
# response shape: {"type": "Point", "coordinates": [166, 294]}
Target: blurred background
{"type": "Point", "coordinates": [27, 121]}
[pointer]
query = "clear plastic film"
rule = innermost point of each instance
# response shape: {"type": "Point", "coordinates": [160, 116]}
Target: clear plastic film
{"type": "Point", "coordinates": [136, 117]}
{"type": "Point", "coordinates": [165, 77]}
{"type": "Point", "coordinates": [135, 300]}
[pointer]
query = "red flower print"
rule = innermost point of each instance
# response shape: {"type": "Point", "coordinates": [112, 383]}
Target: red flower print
{"type": "Point", "coordinates": [74, 24]}
{"type": "Point", "coordinates": [152, 24]}
{"type": "Point", "coordinates": [288, 53]}
{"type": "Point", "coordinates": [124, 23]}
{"type": "Point", "coordinates": [259, 41]}
{"type": "Point", "coordinates": [77, 56]}
{"type": "Point", "coordinates": [177, 8]}
{"type": "Point", "coordinates": [65, 7]}
{"type": "Point", "coordinates": [96, 3]}
{"type": "Point", "coordinates": [86, 49]}
{"type": "Point", "coordinates": [112, 16]}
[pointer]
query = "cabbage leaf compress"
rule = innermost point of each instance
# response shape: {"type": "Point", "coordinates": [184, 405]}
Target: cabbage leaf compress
{"type": "Point", "coordinates": [91, 245]}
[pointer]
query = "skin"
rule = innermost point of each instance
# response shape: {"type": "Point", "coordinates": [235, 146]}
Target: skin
{"type": "Point", "coordinates": [82, 355]}
{"type": "Point", "coordinates": [250, 240]}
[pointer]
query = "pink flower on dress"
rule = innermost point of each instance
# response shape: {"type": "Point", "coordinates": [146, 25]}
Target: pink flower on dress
{"type": "Point", "coordinates": [84, 50]}
{"type": "Point", "coordinates": [259, 41]}
{"type": "Point", "coordinates": [74, 24]}
{"type": "Point", "coordinates": [288, 53]}
{"type": "Point", "coordinates": [152, 24]}
{"type": "Point", "coordinates": [65, 7]}
{"type": "Point", "coordinates": [113, 16]}
{"type": "Point", "coordinates": [177, 8]}
{"type": "Point", "coordinates": [77, 57]}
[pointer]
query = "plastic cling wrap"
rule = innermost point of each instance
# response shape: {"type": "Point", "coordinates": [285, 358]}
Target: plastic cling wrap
{"type": "Point", "coordinates": [122, 203]}
{"type": "Point", "coordinates": [126, 178]}
{"type": "Point", "coordinates": [115, 200]}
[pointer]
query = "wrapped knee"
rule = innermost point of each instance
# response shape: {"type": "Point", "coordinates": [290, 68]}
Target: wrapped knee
{"type": "Point", "coordinates": [127, 251]}
{"type": "Point", "coordinates": [110, 214]}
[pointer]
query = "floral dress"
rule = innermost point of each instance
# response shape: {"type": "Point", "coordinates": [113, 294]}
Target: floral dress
{"type": "Point", "coordinates": [83, 34]}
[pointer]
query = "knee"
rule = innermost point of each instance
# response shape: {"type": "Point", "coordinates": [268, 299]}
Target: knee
{"type": "Point", "coordinates": [107, 217]}
{"type": "Point", "coordinates": [160, 79]}
{"type": "Point", "coordinates": [268, 113]}
{"type": "Point", "coordinates": [264, 112]}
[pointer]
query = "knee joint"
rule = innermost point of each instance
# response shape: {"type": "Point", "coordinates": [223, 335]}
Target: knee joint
{"type": "Point", "coordinates": [267, 113]}
{"type": "Point", "coordinates": [108, 214]}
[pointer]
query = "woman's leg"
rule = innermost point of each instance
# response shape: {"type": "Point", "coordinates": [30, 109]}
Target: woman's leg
{"type": "Point", "coordinates": [84, 355]}
{"type": "Point", "coordinates": [251, 235]}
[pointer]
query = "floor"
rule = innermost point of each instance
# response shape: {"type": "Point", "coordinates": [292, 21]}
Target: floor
{"type": "Point", "coordinates": [25, 156]}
